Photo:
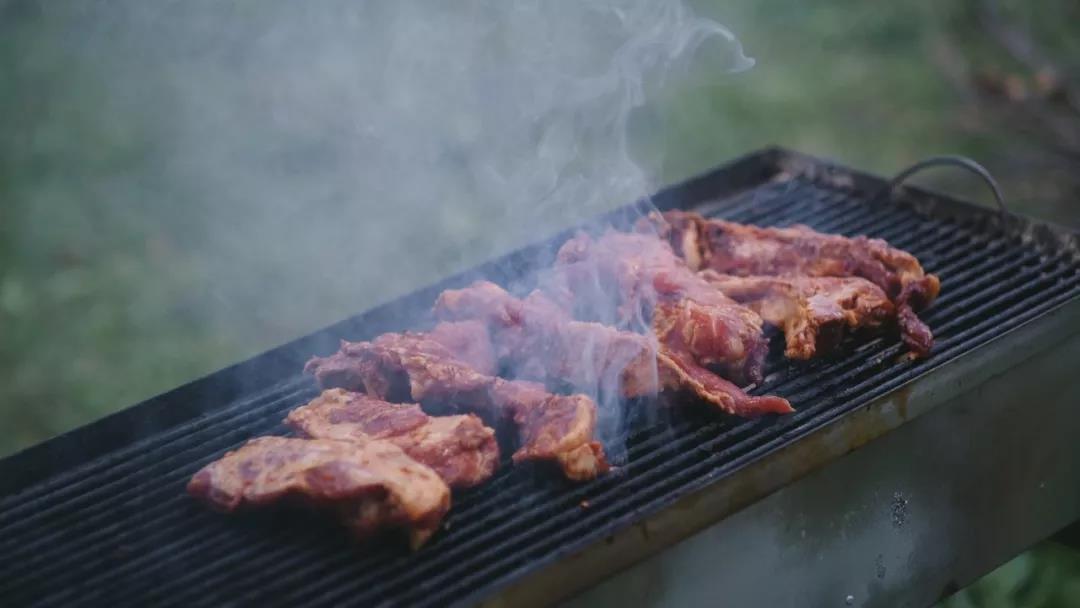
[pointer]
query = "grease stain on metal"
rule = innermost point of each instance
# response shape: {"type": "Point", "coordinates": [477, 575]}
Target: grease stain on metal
{"type": "Point", "coordinates": [879, 566]}
{"type": "Point", "coordinates": [644, 528]}
{"type": "Point", "coordinates": [901, 399]}
{"type": "Point", "coordinates": [899, 510]}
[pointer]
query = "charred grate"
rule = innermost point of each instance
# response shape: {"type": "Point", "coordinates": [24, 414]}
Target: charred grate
{"type": "Point", "coordinates": [120, 528]}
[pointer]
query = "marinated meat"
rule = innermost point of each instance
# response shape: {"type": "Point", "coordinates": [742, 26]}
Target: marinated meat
{"type": "Point", "coordinates": [651, 283]}
{"type": "Point", "coordinates": [540, 340]}
{"type": "Point", "coordinates": [743, 250]}
{"type": "Point", "coordinates": [813, 312]}
{"type": "Point", "coordinates": [469, 342]}
{"type": "Point", "coordinates": [537, 340]}
{"type": "Point", "coordinates": [552, 427]}
{"type": "Point", "coordinates": [459, 448]}
{"type": "Point", "coordinates": [369, 484]}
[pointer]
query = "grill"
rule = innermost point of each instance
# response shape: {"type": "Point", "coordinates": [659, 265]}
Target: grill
{"type": "Point", "coordinates": [100, 514]}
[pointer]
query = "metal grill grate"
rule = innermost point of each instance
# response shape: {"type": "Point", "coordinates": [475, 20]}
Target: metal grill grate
{"type": "Point", "coordinates": [120, 528]}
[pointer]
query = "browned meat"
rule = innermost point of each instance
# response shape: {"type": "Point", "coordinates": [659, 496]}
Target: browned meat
{"type": "Point", "coordinates": [459, 448]}
{"type": "Point", "coordinates": [469, 342]}
{"type": "Point", "coordinates": [679, 371]}
{"type": "Point", "coordinates": [813, 312]}
{"type": "Point", "coordinates": [739, 249]}
{"type": "Point", "coordinates": [368, 484]}
{"type": "Point", "coordinates": [558, 427]}
{"type": "Point", "coordinates": [651, 282]}
{"type": "Point", "coordinates": [540, 340]}
{"type": "Point", "coordinates": [466, 344]}
{"type": "Point", "coordinates": [551, 427]}
{"type": "Point", "coordinates": [537, 340]}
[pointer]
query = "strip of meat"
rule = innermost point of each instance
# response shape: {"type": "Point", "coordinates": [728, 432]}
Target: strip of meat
{"type": "Point", "coordinates": [465, 344]}
{"type": "Point", "coordinates": [743, 250]}
{"type": "Point", "coordinates": [650, 282]}
{"type": "Point", "coordinates": [679, 371]}
{"type": "Point", "coordinates": [552, 427]}
{"type": "Point", "coordinates": [813, 312]}
{"type": "Point", "coordinates": [459, 448]}
{"type": "Point", "coordinates": [369, 484]}
{"type": "Point", "coordinates": [537, 338]}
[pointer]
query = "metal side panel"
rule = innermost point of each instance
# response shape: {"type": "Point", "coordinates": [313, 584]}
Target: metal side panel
{"type": "Point", "coordinates": [953, 475]}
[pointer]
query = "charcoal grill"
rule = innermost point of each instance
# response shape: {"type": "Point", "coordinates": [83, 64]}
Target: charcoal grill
{"type": "Point", "coordinates": [894, 483]}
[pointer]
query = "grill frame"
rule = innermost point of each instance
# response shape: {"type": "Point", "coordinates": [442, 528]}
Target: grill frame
{"type": "Point", "coordinates": [918, 391]}
{"type": "Point", "coordinates": [985, 466]}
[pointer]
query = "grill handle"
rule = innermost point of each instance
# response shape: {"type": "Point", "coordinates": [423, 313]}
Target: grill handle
{"type": "Point", "coordinates": [954, 161]}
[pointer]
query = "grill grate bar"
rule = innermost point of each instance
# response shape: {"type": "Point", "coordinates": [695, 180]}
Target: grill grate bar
{"type": "Point", "coordinates": [102, 498]}
{"type": "Point", "coordinates": [770, 198]}
{"type": "Point", "coordinates": [16, 508]}
{"type": "Point", "coordinates": [779, 214]}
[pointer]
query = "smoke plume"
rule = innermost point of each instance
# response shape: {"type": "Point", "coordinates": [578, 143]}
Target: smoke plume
{"type": "Point", "coordinates": [297, 162]}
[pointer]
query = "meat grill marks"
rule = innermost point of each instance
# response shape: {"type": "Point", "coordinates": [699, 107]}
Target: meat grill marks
{"type": "Point", "coordinates": [368, 484]}
{"type": "Point", "coordinates": [814, 312]}
{"type": "Point", "coordinates": [743, 250]}
{"type": "Point", "coordinates": [460, 449]}
{"type": "Point", "coordinates": [536, 338]}
{"type": "Point", "coordinates": [551, 427]}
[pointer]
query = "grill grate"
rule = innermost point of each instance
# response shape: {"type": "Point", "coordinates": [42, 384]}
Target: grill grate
{"type": "Point", "coordinates": [121, 529]}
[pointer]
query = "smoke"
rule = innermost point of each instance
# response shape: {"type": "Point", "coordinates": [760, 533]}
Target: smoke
{"type": "Point", "coordinates": [346, 152]}
{"type": "Point", "coordinates": [312, 159]}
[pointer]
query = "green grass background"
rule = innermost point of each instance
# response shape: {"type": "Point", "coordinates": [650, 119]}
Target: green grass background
{"type": "Point", "coordinates": [120, 279]}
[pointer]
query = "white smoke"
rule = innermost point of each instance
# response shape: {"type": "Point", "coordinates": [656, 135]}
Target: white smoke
{"type": "Point", "coordinates": [311, 159]}
{"type": "Point", "coordinates": [347, 152]}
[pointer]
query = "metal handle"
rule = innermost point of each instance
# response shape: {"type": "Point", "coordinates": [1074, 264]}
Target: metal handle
{"type": "Point", "coordinates": [955, 161]}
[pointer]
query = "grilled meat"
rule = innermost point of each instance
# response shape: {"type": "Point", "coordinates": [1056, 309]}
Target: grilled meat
{"type": "Point", "coordinates": [469, 343]}
{"type": "Point", "coordinates": [459, 448]}
{"type": "Point", "coordinates": [739, 249]}
{"type": "Point", "coordinates": [651, 282]}
{"type": "Point", "coordinates": [466, 344]}
{"type": "Point", "coordinates": [538, 339]}
{"type": "Point", "coordinates": [369, 484]}
{"type": "Point", "coordinates": [552, 427]}
{"type": "Point", "coordinates": [700, 290]}
{"type": "Point", "coordinates": [679, 372]}
{"type": "Point", "coordinates": [813, 312]}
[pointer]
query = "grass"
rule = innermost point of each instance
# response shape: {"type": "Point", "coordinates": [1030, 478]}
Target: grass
{"type": "Point", "coordinates": [158, 219]}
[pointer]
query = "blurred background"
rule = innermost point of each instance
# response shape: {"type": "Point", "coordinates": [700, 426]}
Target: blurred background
{"type": "Point", "coordinates": [184, 185]}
